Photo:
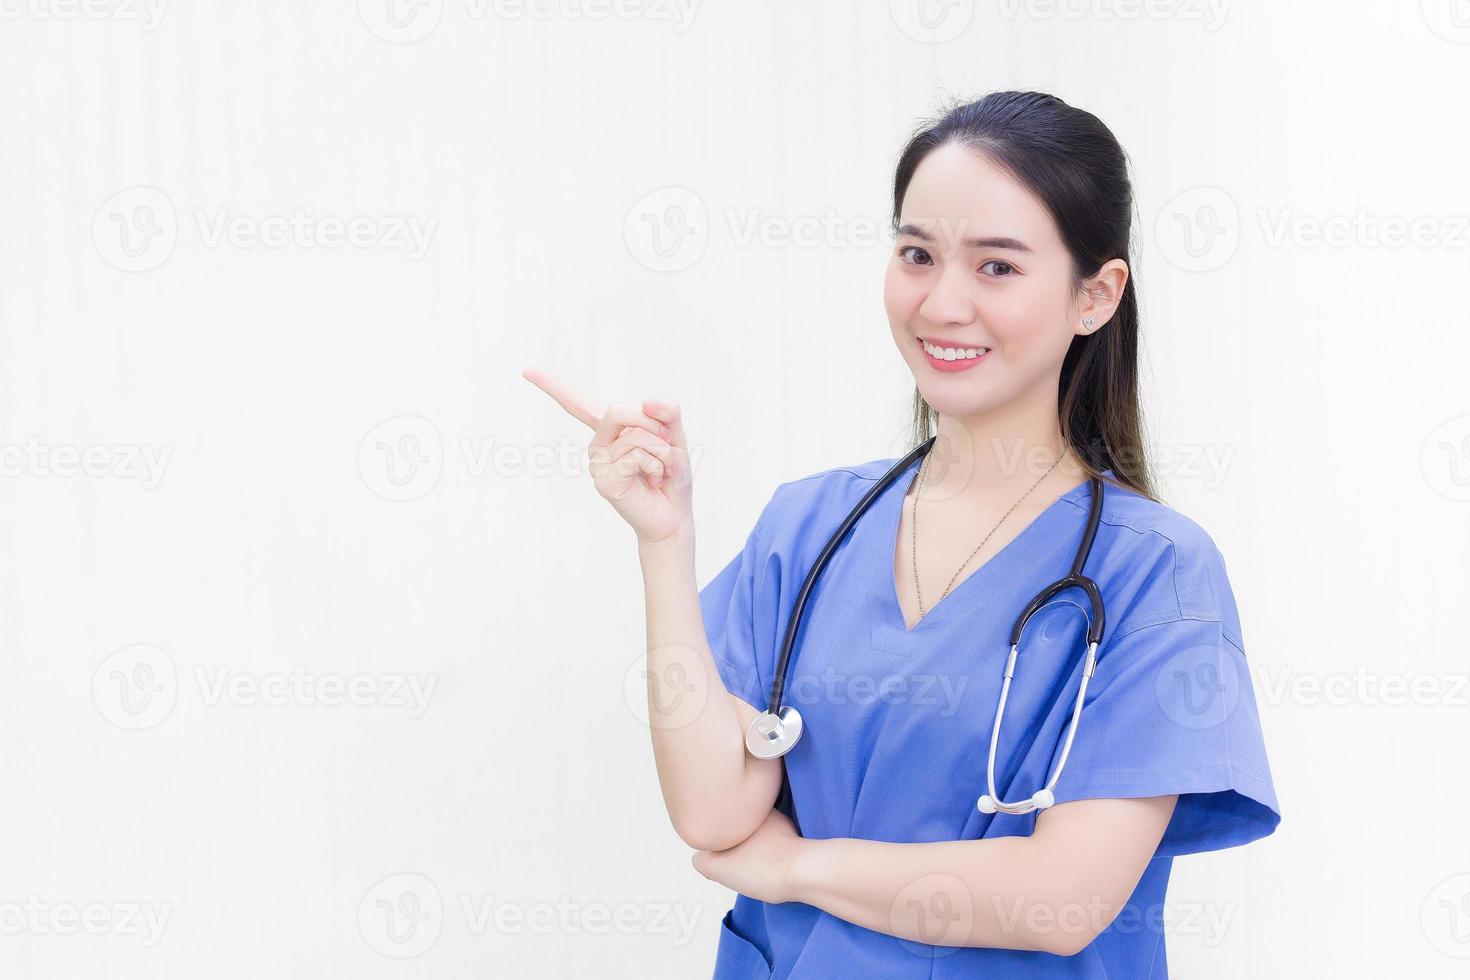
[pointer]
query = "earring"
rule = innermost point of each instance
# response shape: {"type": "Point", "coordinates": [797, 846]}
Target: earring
{"type": "Point", "coordinates": [1087, 322]}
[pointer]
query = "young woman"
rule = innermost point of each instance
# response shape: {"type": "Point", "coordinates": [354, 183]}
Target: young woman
{"type": "Point", "coordinates": [1009, 297]}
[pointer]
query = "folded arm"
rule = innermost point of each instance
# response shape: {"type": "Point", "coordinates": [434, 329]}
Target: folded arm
{"type": "Point", "coordinates": [1053, 891]}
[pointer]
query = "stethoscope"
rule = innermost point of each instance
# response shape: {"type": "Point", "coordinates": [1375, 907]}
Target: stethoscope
{"type": "Point", "coordinates": [774, 732]}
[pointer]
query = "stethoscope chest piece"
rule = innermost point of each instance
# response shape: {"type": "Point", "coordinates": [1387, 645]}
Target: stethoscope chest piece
{"type": "Point", "coordinates": [773, 733]}
{"type": "Point", "coordinates": [771, 736]}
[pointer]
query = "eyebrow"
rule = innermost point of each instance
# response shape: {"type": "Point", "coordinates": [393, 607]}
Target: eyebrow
{"type": "Point", "coordinates": [1012, 244]}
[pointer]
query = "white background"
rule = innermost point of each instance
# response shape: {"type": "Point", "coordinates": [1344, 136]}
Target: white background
{"type": "Point", "coordinates": [349, 480]}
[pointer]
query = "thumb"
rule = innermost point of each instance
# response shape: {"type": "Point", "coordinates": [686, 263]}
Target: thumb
{"type": "Point", "coordinates": [667, 412]}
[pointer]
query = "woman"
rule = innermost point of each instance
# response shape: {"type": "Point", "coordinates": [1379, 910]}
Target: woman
{"type": "Point", "coordinates": [1009, 296]}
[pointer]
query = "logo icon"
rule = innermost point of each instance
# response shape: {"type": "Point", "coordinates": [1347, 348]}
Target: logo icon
{"type": "Point", "coordinates": [401, 916]}
{"type": "Point", "coordinates": [402, 458]}
{"type": "Point", "coordinates": [932, 21]}
{"type": "Point", "coordinates": [1198, 230]}
{"type": "Point", "coordinates": [135, 230]}
{"type": "Point", "coordinates": [667, 230]}
{"type": "Point", "coordinates": [400, 21]}
{"type": "Point", "coordinates": [1198, 687]}
{"type": "Point", "coordinates": [135, 687]}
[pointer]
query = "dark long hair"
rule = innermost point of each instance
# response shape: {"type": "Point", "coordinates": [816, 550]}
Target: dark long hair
{"type": "Point", "coordinates": [1075, 166]}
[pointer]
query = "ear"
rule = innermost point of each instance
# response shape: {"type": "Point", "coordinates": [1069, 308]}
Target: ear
{"type": "Point", "coordinates": [1102, 294]}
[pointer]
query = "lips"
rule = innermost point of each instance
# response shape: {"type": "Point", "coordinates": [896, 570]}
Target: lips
{"type": "Point", "coordinates": [954, 344]}
{"type": "Point", "coordinates": [959, 362]}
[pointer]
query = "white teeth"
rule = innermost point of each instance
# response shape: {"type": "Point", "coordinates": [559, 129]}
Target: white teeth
{"type": "Point", "coordinates": [954, 353]}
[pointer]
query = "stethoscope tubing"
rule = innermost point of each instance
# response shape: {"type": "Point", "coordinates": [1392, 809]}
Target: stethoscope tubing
{"type": "Point", "coordinates": [778, 686]}
{"type": "Point", "coordinates": [776, 730]}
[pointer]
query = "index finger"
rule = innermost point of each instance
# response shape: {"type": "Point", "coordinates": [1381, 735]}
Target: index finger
{"type": "Point", "coordinates": [578, 405]}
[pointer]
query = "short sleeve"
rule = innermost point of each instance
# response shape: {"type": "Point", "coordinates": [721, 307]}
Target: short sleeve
{"type": "Point", "coordinates": [731, 606]}
{"type": "Point", "coordinates": [1170, 709]}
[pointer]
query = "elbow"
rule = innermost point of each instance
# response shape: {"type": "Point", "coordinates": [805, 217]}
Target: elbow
{"type": "Point", "coordinates": [703, 841]}
{"type": "Point", "coordinates": [708, 837]}
{"type": "Point", "coordinates": [1080, 915]}
{"type": "Point", "coordinates": [1069, 942]}
{"type": "Point", "coordinates": [1090, 918]}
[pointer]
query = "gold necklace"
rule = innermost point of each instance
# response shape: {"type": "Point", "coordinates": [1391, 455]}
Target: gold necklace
{"type": "Point", "coordinates": [914, 534]}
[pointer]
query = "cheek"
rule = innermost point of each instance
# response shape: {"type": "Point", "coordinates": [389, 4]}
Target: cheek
{"type": "Point", "coordinates": [901, 296]}
{"type": "Point", "coordinates": [889, 298]}
{"type": "Point", "coordinates": [1021, 318]}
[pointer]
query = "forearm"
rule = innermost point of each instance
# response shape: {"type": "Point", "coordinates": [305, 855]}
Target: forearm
{"type": "Point", "coordinates": [697, 739]}
{"type": "Point", "coordinates": [1004, 892]}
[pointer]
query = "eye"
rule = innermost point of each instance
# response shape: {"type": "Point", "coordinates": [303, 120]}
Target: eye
{"type": "Point", "coordinates": [1001, 263]}
{"type": "Point", "coordinates": [914, 248]}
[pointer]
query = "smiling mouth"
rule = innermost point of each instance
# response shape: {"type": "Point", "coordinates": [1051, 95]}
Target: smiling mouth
{"type": "Point", "coordinates": [950, 352]}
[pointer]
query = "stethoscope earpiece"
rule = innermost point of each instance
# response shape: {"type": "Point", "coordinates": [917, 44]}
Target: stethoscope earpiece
{"type": "Point", "coordinates": [1040, 800]}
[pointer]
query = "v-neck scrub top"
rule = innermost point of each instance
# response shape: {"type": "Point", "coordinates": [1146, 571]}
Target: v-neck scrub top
{"type": "Point", "coordinates": [898, 721]}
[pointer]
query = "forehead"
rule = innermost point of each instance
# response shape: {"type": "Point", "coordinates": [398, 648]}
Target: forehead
{"type": "Point", "coordinates": [957, 192]}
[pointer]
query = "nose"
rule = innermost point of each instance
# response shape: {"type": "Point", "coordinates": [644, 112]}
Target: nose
{"type": "Point", "coordinates": [949, 300]}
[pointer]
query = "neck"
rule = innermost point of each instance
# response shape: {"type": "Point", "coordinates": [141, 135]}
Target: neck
{"type": "Point", "coordinates": [1000, 453]}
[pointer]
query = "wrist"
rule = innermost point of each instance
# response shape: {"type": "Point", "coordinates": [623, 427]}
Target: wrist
{"type": "Point", "coordinates": [804, 870]}
{"type": "Point", "coordinates": [680, 544]}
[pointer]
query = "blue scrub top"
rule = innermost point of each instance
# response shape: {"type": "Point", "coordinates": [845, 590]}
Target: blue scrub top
{"type": "Point", "coordinates": [898, 721]}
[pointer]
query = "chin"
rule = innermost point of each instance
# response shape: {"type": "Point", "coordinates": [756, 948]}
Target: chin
{"type": "Point", "coordinates": [956, 404]}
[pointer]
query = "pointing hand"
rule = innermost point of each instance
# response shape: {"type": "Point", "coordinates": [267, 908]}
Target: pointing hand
{"type": "Point", "coordinates": [639, 459]}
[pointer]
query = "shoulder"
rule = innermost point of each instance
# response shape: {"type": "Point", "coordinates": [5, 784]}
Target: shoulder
{"type": "Point", "coordinates": [800, 501]}
{"type": "Point", "coordinates": [1165, 563]}
{"type": "Point", "coordinates": [1154, 563]}
{"type": "Point", "coordinates": [802, 513]}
